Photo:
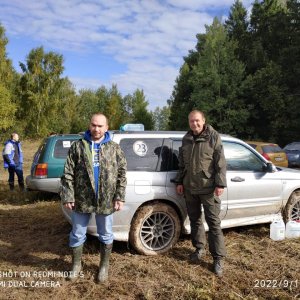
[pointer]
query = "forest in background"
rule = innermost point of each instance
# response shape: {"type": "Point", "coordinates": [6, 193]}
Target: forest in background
{"type": "Point", "coordinates": [243, 73]}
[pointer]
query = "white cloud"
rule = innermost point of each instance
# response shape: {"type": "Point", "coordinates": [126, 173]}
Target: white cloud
{"type": "Point", "coordinates": [149, 37]}
{"type": "Point", "coordinates": [203, 4]}
{"type": "Point", "coordinates": [86, 83]}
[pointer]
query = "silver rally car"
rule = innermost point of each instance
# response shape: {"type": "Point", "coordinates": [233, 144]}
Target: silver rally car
{"type": "Point", "coordinates": [154, 216]}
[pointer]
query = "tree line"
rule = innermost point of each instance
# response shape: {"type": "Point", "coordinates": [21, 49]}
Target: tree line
{"type": "Point", "coordinates": [243, 73]}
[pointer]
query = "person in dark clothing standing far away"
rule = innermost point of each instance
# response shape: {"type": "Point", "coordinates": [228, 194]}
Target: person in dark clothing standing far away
{"type": "Point", "coordinates": [201, 179]}
{"type": "Point", "coordinates": [13, 161]}
{"type": "Point", "coordinates": [94, 181]}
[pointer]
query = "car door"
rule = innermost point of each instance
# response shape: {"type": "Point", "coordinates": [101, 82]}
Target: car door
{"type": "Point", "coordinates": [144, 181]}
{"type": "Point", "coordinates": [252, 191]}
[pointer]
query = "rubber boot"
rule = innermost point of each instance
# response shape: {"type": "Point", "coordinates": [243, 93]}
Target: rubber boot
{"type": "Point", "coordinates": [105, 251]}
{"type": "Point", "coordinates": [218, 266]}
{"type": "Point", "coordinates": [11, 186]}
{"type": "Point", "coordinates": [195, 257]}
{"type": "Point", "coordinates": [21, 186]}
{"type": "Point", "coordinates": [76, 263]}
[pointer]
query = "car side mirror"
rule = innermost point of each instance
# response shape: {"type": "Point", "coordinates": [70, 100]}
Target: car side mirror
{"type": "Point", "coordinates": [269, 168]}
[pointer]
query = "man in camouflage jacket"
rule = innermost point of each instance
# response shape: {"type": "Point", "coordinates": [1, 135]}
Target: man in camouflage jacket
{"type": "Point", "coordinates": [94, 181]}
{"type": "Point", "coordinates": [202, 179]}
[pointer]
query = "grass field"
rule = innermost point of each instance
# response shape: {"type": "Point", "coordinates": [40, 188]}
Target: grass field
{"type": "Point", "coordinates": [34, 255]}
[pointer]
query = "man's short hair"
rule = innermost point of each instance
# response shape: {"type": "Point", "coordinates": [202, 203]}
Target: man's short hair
{"type": "Point", "coordinates": [12, 135]}
{"type": "Point", "coordinates": [100, 114]}
{"type": "Point", "coordinates": [196, 111]}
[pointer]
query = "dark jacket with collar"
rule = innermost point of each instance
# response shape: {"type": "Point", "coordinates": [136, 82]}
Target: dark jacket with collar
{"type": "Point", "coordinates": [202, 164]}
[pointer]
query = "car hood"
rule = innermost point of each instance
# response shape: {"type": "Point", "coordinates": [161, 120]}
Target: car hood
{"type": "Point", "coordinates": [288, 173]}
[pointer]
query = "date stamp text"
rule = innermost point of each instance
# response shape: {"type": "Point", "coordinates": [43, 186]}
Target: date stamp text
{"type": "Point", "coordinates": [276, 283]}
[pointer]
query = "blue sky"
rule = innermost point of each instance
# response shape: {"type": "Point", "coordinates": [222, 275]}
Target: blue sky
{"type": "Point", "coordinates": [131, 43]}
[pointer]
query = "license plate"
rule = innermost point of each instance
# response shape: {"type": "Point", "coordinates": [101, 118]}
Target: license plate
{"type": "Point", "coordinates": [278, 158]}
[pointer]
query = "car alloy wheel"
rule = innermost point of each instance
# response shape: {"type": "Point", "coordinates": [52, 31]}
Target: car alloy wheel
{"type": "Point", "coordinates": [292, 208]}
{"type": "Point", "coordinates": [155, 229]}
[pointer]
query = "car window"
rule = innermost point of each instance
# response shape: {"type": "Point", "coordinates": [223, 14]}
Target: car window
{"type": "Point", "coordinates": [38, 153]}
{"type": "Point", "coordinates": [253, 145]}
{"type": "Point", "coordinates": [271, 149]}
{"type": "Point", "coordinates": [293, 146]}
{"type": "Point", "coordinates": [144, 154]}
{"type": "Point", "coordinates": [62, 147]}
{"type": "Point", "coordinates": [240, 158]}
{"type": "Point", "coordinates": [175, 153]}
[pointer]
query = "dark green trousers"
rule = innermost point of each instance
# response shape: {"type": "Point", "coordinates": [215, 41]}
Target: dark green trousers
{"type": "Point", "coordinates": [211, 205]}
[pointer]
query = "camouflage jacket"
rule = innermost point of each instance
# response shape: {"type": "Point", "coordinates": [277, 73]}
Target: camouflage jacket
{"type": "Point", "coordinates": [78, 184]}
{"type": "Point", "coordinates": [202, 164]}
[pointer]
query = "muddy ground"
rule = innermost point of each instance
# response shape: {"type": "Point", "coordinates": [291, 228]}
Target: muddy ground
{"type": "Point", "coordinates": [34, 258]}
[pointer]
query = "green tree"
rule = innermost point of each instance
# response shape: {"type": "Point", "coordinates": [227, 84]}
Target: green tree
{"type": "Point", "coordinates": [237, 26]}
{"type": "Point", "coordinates": [103, 95]}
{"type": "Point", "coordinates": [7, 72]}
{"type": "Point", "coordinates": [140, 114]}
{"type": "Point", "coordinates": [127, 105]}
{"type": "Point", "coordinates": [107, 101]}
{"type": "Point", "coordinates": [87, 105]}
{"type": "Point", "coordinates": [274, 58]}
{"type": "Point", "coordinates": [218, 82]}
{"type": "Point", "coordinates": [289, 55]}
{"type": "Point", "coordinates": [7, 109]}
{"type": "Point", "coordinates": [180, 101]}
{"type": "Point", "coordinates": [7, 84]}
{"type": "Point", "coordinates": [269, 113]}
{"type": "Point", "coordinates": [40, 91]}
{"type": "Point", "coordinates": [113, 108]}
{"type": "Point", "coordinates": [68, 119]}
{"type": "Point", "coordinates": [245, 78]}
{"type": "Point", "coordinates": [161, 118]}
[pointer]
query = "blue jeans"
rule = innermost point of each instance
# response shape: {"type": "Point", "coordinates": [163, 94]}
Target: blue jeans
{"type": "Point", "coordinates": [79, 227]}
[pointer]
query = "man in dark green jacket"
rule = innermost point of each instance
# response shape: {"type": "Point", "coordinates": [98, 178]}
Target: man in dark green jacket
{"type": "Point", "coordinates": [94, 181]}
{"type": "Point", "coordinates": [202, 179]}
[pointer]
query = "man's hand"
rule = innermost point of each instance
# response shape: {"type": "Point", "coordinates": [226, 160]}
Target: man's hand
{"type": "Point", "coordinates": [118, 205]}
{"type": "Point", "coordinates": [69, 205]}
{"type": "Point", "coordinates": [219, 191]}
{"type": "Point", "coordinates": [179, 189]}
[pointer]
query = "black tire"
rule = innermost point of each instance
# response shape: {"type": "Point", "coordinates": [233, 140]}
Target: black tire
{"type": "Point", "coordinates": [155, 229]}
{"type": "Point", "coordinates": [292, 209]}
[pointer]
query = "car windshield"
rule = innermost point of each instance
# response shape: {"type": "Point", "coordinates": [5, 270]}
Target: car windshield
{"type": "Point", "coordinates": [271, 149]}
{"type": "Point", "coordinates": [292, 146]}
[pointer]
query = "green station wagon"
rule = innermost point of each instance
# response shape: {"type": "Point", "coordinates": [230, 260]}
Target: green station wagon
{"type": "Point", "coordinates": [48, 163]}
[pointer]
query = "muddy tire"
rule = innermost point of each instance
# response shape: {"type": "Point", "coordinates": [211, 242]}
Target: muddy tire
{"type": "Point", "coordinates": [292, 209]}
{"type": "Point", "coordinates": [155, 229]}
